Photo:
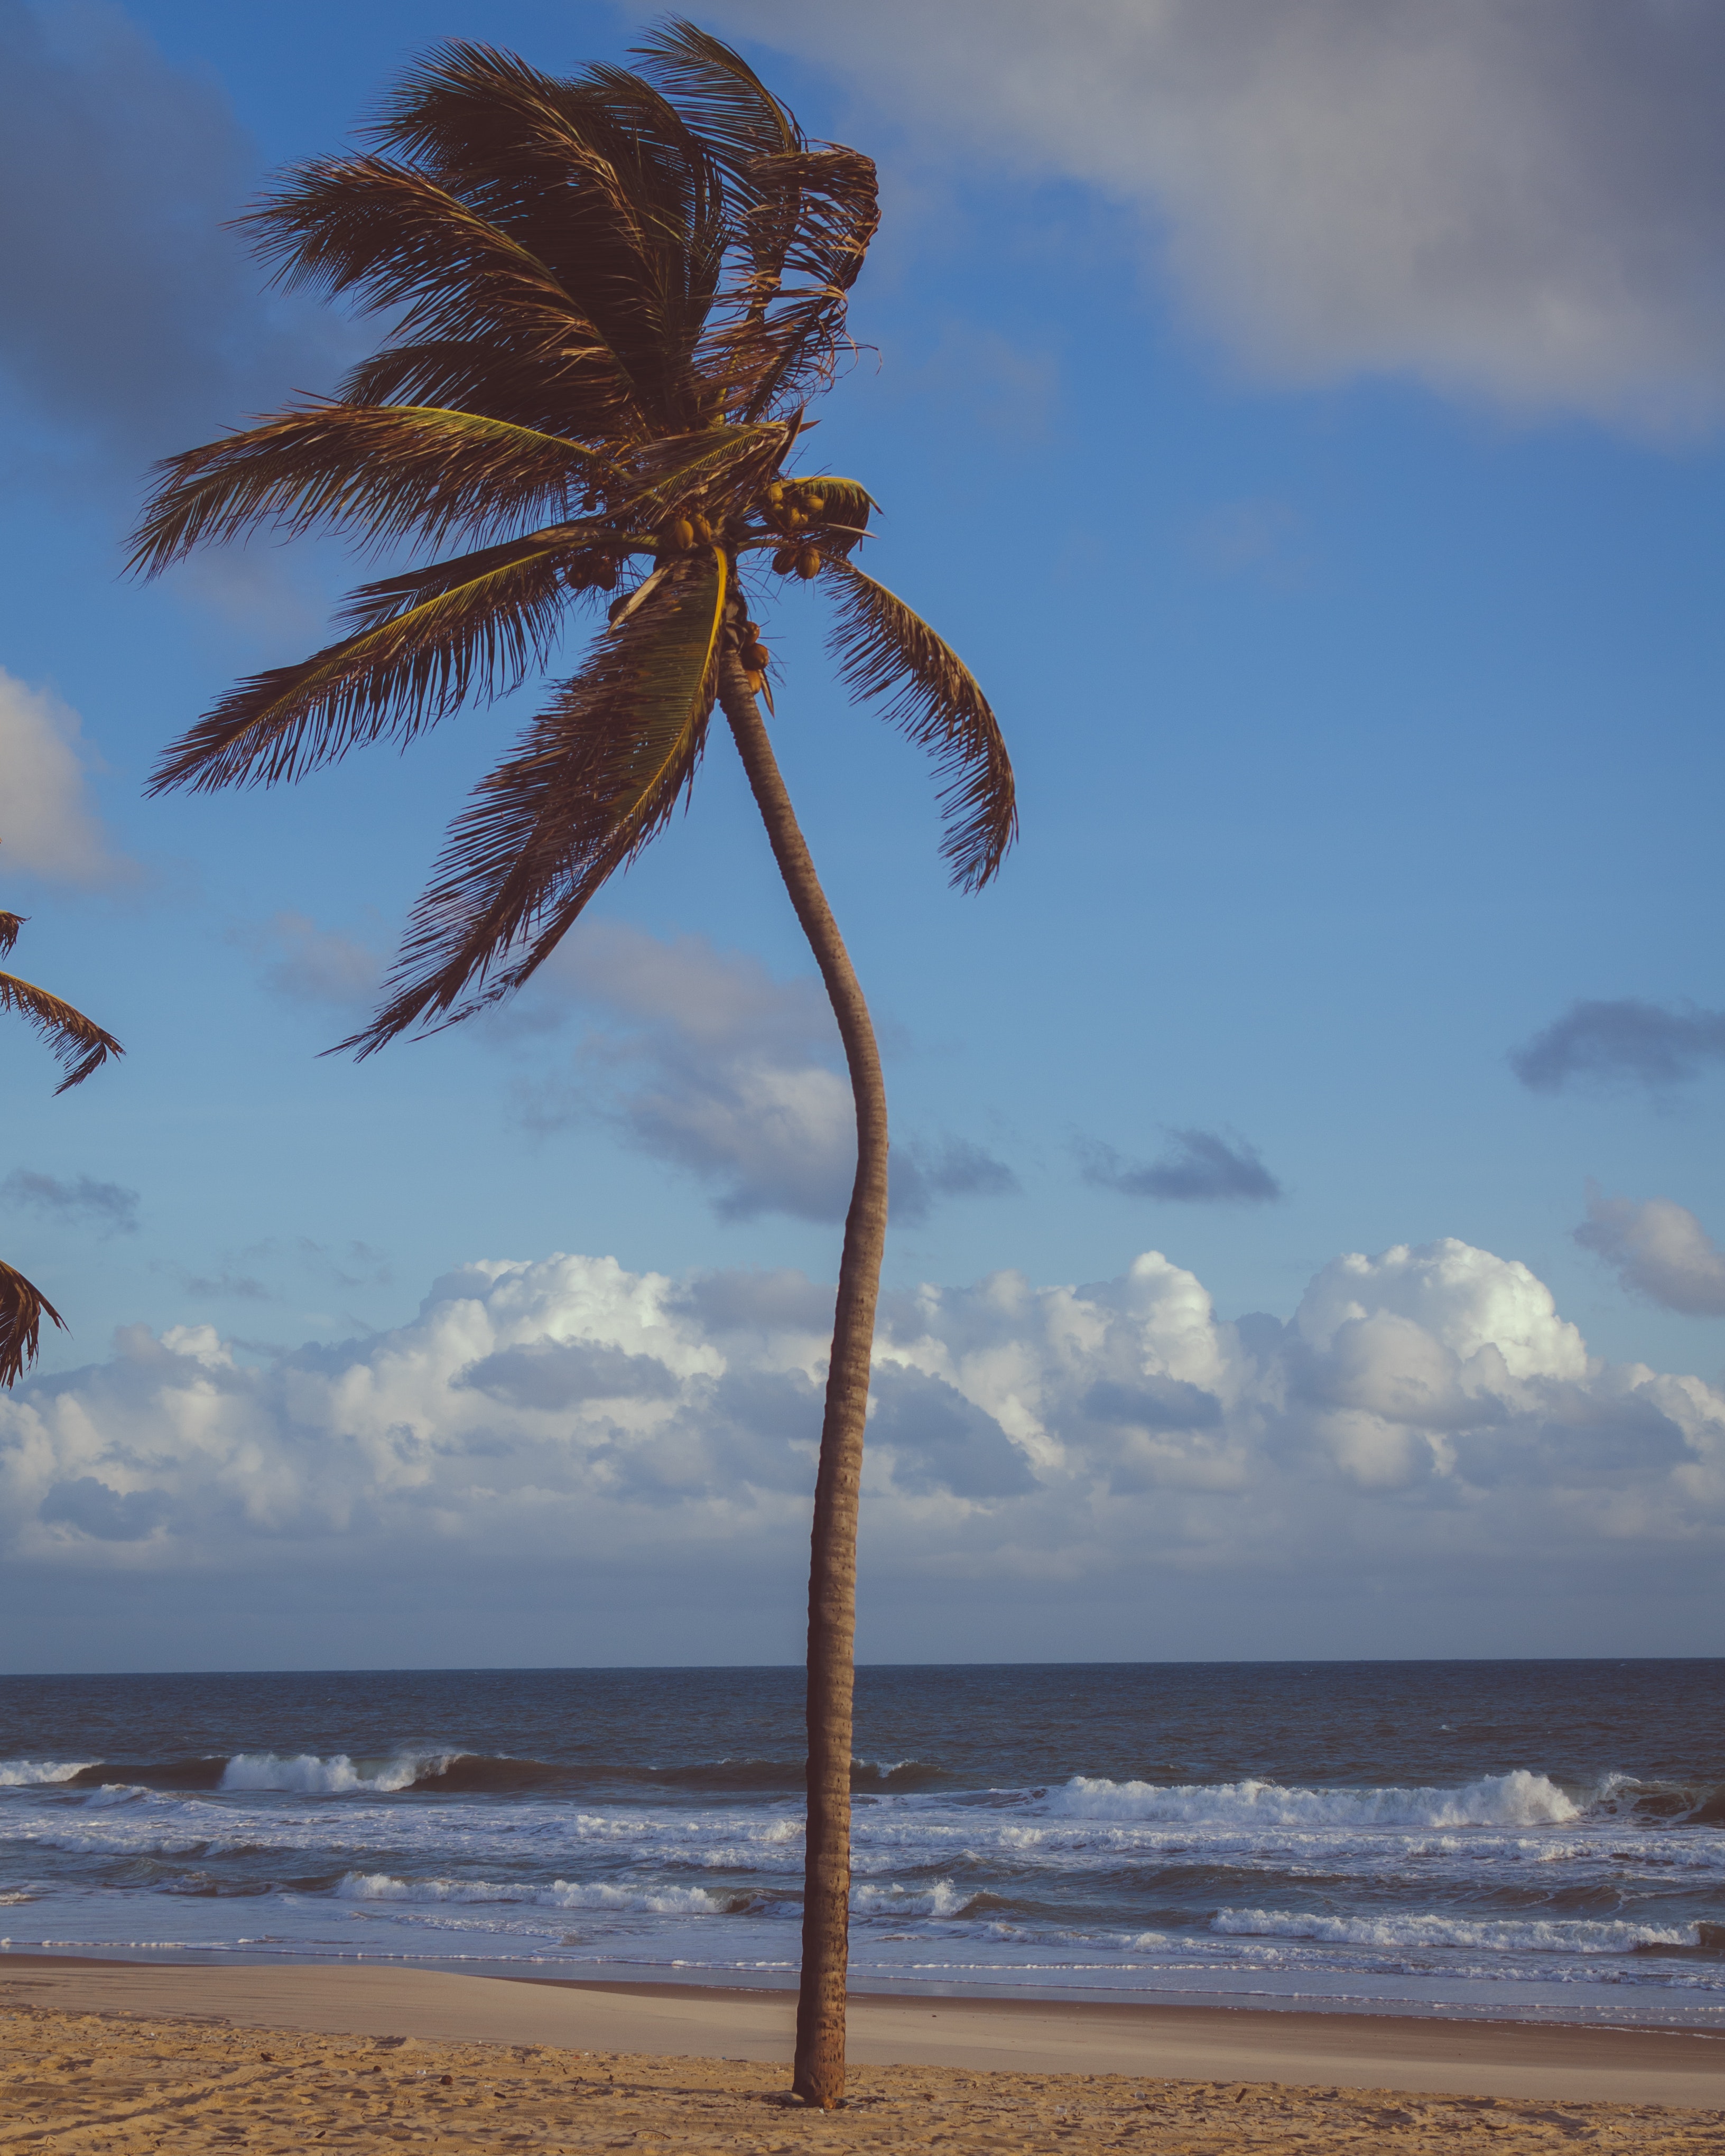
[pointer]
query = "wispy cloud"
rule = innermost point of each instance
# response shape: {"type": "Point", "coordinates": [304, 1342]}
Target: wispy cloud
{"type": "Point", "coordinates": [109, 1207]}
{"type": "Point", "coordinates": [1626, 1041]}
{"type": "Point", "coordinates": [1199, 1167]}
{"type": "Point", "coordinates": [305, 963]}
{"type": "Point", "coordinates": [706, 1061]}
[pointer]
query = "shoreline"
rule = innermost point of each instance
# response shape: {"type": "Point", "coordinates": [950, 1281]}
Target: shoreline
{"type": "Point", "coordinates": [1290, 2050]}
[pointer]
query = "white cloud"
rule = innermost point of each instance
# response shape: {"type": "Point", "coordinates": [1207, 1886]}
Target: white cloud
{"type": "Point", "coordinates": [706, 1061]}
{"type": "Point", "coordinates": [1427, 1414]}
{"type": "Point", "coordinates": [1522, 202]}
{"type": "Point", "coordinates": [47, 825]}
{"type": "Point", "coordinates": [1659, 1249]}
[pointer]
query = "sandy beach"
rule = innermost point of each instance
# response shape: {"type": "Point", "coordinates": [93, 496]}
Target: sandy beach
{"type": "Point", "coordinates": [138, 2055]}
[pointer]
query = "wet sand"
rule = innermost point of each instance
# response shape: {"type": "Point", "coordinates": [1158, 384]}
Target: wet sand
{"type": "Point", "coordinates": [137, 2055]}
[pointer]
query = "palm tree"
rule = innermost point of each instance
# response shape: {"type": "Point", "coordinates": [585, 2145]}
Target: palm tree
{"type": "Point", "coordinates": [79, 1046]}
{"type": "Point", "coordinates": [609, 299]}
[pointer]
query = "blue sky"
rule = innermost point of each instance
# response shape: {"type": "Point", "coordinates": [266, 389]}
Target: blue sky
{"type": "Point", "coordinates": [1314, 451]}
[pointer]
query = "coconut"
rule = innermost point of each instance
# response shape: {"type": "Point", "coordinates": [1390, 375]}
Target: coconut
{"type": "Point", "coordinates": [755, 657]}
{"type": "Point", "coordinates": [784, 561]}
{"type": "Point", "coordinates": [807, 561]}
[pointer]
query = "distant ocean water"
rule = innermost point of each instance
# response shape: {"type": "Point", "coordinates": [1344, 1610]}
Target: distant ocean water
{"type": "Point", "coordinates": [1540, 1839]}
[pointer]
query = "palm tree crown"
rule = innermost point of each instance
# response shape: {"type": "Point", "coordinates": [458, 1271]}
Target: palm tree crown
{"type": "Point", "coordinates": [610, 298]}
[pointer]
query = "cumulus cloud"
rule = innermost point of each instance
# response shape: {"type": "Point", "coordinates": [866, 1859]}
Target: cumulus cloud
{"type": "Point", "coordinates": [47, 825]}
{"type": "Point", "coordinates": [705, 1061]}
{"type": "Point", "coordinates": [1625, 1041]}
{"type": "Point", "coordinates": [1658, 1250]}
{"type": "Point", "coordinates": [1425, 1412]}
{"type": "Point", "coordinates": [1523, 203]}
{"type": "Point", "coordinates": [133, 315]}
{"type": "Point", "coordinates": [1199, 1168]}
{"type": "Point", "coordinates": [109, 1207]}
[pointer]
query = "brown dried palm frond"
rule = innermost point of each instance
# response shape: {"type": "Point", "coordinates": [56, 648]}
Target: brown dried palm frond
{"type": "Point", "coordinates": [10, 924]}
{"type": "Point", "coordinates": [883, 648]}
{"type": "Point", "coordinates": [424, 642]}
{"type": "Point", "coordinates": [594, 779]}
{"type": "Point", "coordinates": [79, 1045]}
{"type": "Point", "coordinates": [23, 1307]}
{"type": "Point", "coordinates": [378, 472]}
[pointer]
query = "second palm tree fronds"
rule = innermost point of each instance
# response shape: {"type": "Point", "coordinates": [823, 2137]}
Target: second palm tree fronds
{"type": "Point", "coordinates": [81, 1047]}
{"type": "Point", "coordinates": [609, 299]}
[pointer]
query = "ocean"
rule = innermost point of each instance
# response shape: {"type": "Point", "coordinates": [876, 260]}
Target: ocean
{"type": "Point", "coordinates": [1540, 1840]}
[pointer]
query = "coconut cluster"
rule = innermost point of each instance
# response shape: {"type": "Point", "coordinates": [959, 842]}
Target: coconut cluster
{"type": "Point", "coordinates": [789, 510]}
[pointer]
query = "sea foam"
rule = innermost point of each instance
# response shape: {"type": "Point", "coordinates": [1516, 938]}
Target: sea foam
{"type": "Point", "coordinates": [560, 1894]}
{"type": "Point", "coordinates": [1410, 1929]}
{"type": "Point", "coordinates": [1517, 1798]}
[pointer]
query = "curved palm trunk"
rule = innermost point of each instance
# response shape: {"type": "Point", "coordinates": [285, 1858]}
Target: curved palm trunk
{"type": "Point", "coordinates": [819, 2077]}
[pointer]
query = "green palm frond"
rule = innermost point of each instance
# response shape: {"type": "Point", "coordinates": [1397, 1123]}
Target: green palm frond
{"type": "Point", "coordinates": [425, 644]}
{"type": "Point", "coordinates": [882, 649]}
{"type": "Point", "coordinates": [79, 1045]}
{"type": "Point", "coordinates": [376, 471]}
{"type": "Point", "coordinates": [23, 1307]}
{"type": "Point", "coordinates": [594, 779]}
{"type": "Point", "coordinates": [734, 459]}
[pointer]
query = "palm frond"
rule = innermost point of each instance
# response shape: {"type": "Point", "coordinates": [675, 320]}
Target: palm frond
{"type": "Point", "coordinates": [423, 644]}
{"type": "Point", "coordinates": [380, 472]}
{"type": "Point", "coordinates": [810, 231]}
{"type": "Point", "coordinates": [593, 780]}
{"type": "Point", "coordinates": [79, 1045]}
{"type": "Point", "coordinates": [675, 468]}
{"type": "Point", "coordinates": [23, 1307]}
{"type": "Point", "coordinates": [397, 241]}
{"type": "Point", "coordinates": [599, 176]}
{"type": "Point", "coordinates": [882, 649]}
{"type": "Point", "coordinates": [10, 924]}
{"type": "Point", "coordinates": [806, 213]}
{"type": "Point", "coordinates": [719, 94]}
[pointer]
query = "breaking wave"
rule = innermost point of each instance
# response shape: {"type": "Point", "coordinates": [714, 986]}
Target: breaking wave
{"type": "Point", "coordinates": [308, 1774]}
{"type": "Point", "coordinates": [32, 1774]}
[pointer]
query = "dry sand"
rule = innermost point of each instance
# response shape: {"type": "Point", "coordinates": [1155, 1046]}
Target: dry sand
{"type": "Point", "coordinates": [141, 2057]}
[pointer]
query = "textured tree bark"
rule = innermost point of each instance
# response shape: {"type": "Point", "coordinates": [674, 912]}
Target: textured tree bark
{"type": "Point", "coordinates": [819, 2073]}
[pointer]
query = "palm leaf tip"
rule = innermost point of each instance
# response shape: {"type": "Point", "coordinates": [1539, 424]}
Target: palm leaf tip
{"type": "Point", "coordinates": [79, 1045]}
{"type": "Point", "coordinates": [23, 1307]}
{"type": "Point", "coordinates": [10, 924]}
{"type": "Point", "coordinates": [882, 649]}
